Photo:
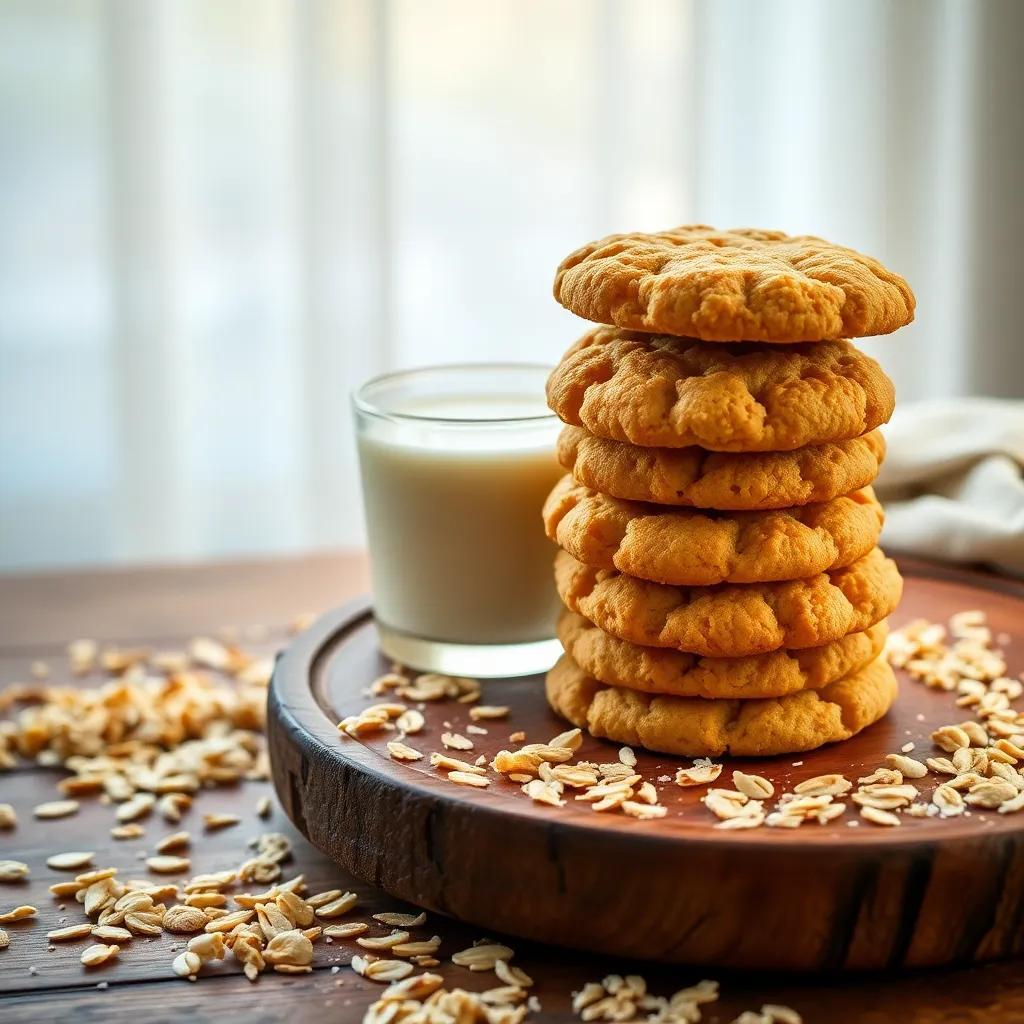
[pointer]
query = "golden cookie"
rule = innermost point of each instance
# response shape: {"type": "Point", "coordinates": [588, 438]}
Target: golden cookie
{"type": "Point", "coordinates": [656, 670]}
{"type": "Point", "coordinates": [702, 547]}
{"type": "Point", "coordinates": [722, 480]}
{"type": "Point", "coordinates": [741, 285]}
{"type": "Point", "coordinates": [733, 620]}
{"type": "Point", "coordinates": [691, 727]}
{"type": "Point", "coordinates": [666, 392]}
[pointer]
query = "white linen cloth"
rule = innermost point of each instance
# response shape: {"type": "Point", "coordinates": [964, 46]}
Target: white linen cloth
{"type": "Point", "coordinates": [953, 482]}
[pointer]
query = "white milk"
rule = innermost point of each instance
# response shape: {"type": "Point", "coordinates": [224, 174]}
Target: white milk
{"type": "Point", "coordinates": [453, 516]}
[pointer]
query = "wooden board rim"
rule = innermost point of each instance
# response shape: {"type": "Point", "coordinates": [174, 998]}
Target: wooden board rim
{"type": "Point", "coordinates": [934, 891]}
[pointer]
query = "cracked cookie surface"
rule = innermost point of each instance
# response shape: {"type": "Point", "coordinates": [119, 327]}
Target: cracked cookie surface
{"type": "Point", "coordinates": [656, 670]}
{"type": "Point", "coordinates": [739, 285]}
{"type": "Point", "coordinates": [658, 391]}
{"type": "Point", "coordinates": [733, 620]}
{"type": "Point", "coordinates": [691, 547]}
{"type": "Point", "coordinates": [720, 480]}
{"type": "Point", "coordinates": [692, 727]}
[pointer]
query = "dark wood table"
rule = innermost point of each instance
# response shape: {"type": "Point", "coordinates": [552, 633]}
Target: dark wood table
{"type": "Point", "coordinates": [39, 614]}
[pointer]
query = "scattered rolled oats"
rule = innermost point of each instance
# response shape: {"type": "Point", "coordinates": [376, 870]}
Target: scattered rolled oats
{"type": "Point", "coordinates": [542, 791]}
{"type": "Point", "coordinates": [346, 931]}
{"type": "Point", "coordinates": [448, 763]}
{"type": "Point", "coordinates": [702, 773]}
{"type": "Point", "coordinates": [488, 712]}
{"type": "Point", "coordinates": [139, 806]}
{"type": "Point", "coordinates": [884, 797]}
{"type": "Point", "coordinates": [144, 922]}
{"type": "Point", "coordinates": [824, 785]}
{"type": "Point", "coordinates": [976, 733]}
{"type": "Point", "coordinates": [381, 970]}
{"type": "Point", "coordinates": [13, 870]}
{"type": "Point", "coordinates": [396, 938]}
{"type": "Point", "coordinates": [419, 948]}
{"type": "Point", "coordinates": [619, 998]}
{"type": "Point", "coordinates": [729, 803]}
{"type": "Point", "coordinates": [370, 720]}
{"type": "Point", "coordinates": [82, 656]}
{"type": "Point", "coordinates": [511, 975]}
{"type": "Point", "coordinates": [646, 793]}
{"type": "Point", "coordinates": [335, 908]}
{"type": "Point", "coordinates": [412, 989]}
{"type": "Point", "coordinates": [166, 864]}
{"type": "Point", "coordinates": [206, 900]}
{"type": "Point", "coordinates": [571, 739]}
{"type": "Point", "coordinates": [226, 922]}
{"type": "Point", "coordinates": [1015, 751]}
{"type": "Point", "coordinates": [879, 817]}
{"type": "Point", "coordinates": [98, 954]}
{"type": "Point", "coordinates": [208, 946]}
{"type": "Point", "coordinates": [69, 861]}
{"type": "Point", "coordinates": [432, 686]}
{"type": "Point", "coordinates": [573, 776]}
{"type": "Point", "coordinates": [754, 820]}
{"type": "Point", "coordinates": [908, 767]}
{"type": "Point", "coordinates": [468, 779]}
{"type": "Point", "coordinates": [187, 964]}
{"type": "Point", "coordinates": [289, 948]}
{"type": "Point", "coordinates": [644, 811]}
{"type": "Point", "coordinates": [403, 752]}
{"type": "Point", "coordinates": [131, 831]}
{"type": "Point", "coordinates": [1013, 805]}
{"type": "Point", "coordinates": [411, 721]}
{"type": "Point", "coordinates": [56, 809]}
{"type": "Point", "coordinates": [402, 920]}
{"type": "Point", "coordinates": [212, 822]}
{"type": "Point", "coordinates": [70, 933]}
{"type": "Point", "coordinates": [754, 786]}
{"type": "Point", "coordinates": [174, 841]}
{"type": "Point", "coordinates": [990, 793]}
{"type": "Point", "coordinates": [296, 909]}
{"type": "Point", "coordinates": [8, 816]}
{"type": "Point", "coordinates": [172, 805]}
{"type": "Point", "coordinates": [321, 899]}
{"type": "Point", "coordinates": [21, 913]}
{"type": "Point", "coordinates": [482, 957]}
{"type": "Point", "coordinates": [621, 789]}
{"type": "Point", "coordinates": [184, 919]}
{"type": "Point", "coordinates": [456, 741]}
{"type": "Point", "coordinates": [948, 800]}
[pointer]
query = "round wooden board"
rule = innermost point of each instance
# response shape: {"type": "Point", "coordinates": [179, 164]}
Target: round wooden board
{"type": "Point", "coordinates": [932, 891]}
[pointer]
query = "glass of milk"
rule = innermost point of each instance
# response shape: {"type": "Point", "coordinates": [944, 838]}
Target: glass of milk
{"type": "Point", "coordinates": [456, 462]}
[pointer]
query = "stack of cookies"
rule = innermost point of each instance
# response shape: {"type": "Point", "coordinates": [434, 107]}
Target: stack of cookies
{"type": "Point", "coordinates": [723, 587]}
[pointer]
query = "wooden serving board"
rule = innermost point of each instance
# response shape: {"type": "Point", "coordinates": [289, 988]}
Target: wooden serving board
{"type": "Point", "coordinates": [833, 897]}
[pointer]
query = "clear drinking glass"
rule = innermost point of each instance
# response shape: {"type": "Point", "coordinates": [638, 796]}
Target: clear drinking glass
{"type": "Point", "coordinates": [456, 462]}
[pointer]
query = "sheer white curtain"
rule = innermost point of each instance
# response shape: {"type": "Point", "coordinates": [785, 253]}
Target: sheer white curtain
{"type": "Point", "coordinates": [221, 215]}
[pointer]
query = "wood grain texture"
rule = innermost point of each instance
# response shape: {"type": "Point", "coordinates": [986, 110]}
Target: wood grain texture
{"type": "Point", "coordinates": [930, 892]}
{"type": "Point", "coordinates": [39, 614]}
{"type": "Point", "coordinates": [49, 609]}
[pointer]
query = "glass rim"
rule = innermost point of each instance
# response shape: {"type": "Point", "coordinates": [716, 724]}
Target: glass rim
{"type": "Point", "coordinates": [362, 404]}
